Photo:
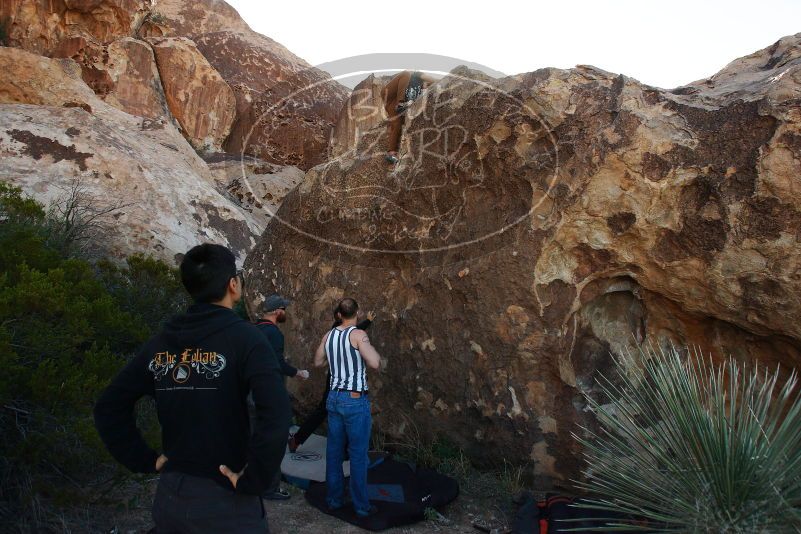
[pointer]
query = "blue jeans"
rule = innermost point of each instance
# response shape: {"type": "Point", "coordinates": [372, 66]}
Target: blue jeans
{"type": "Point", "coordinates": [348, 420]}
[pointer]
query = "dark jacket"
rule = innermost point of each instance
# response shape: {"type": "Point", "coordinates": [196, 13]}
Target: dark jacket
{"type": "Point", "coordinates": [276, 339]}
{"type": "Point", "coordinates": [200, 369]}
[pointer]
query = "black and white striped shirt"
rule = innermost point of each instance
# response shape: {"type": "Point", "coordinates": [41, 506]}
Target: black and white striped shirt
{"type": "Point", "coordinates": [348, 370]}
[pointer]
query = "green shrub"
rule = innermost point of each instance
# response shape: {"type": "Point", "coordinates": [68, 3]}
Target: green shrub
{"type": "Point", "coordinates": [693, 446]}
{"type": "Point", "coordinates": [23, 233]}
{"type": "Point", "coordinates": [147, 288]}
{"type": "Point", "coordinates": [66, 327]}
{"type": "Point", "coordinates": [65, 337]}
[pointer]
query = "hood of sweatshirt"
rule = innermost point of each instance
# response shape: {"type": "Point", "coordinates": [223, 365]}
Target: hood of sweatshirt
{"type": "Point", "coordinates": [199, 322]}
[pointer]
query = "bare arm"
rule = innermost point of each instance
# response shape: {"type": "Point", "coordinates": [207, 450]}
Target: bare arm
{"type": "Point", "coordinates": [361, 341]}
{"type": "Point", "coordinates": [319, 356]}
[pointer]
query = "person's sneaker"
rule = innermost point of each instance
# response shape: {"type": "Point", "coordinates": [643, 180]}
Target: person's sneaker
{"type": "Point", "coordinates": [368, 513]}
{"type": "Point", "coordinates": [278, 495]}
{"type": "Point", "coordinates": [292, 443]}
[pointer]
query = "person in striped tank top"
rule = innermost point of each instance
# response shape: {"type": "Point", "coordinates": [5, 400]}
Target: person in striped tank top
{"type": "Point", "coordinates": [348, 352]}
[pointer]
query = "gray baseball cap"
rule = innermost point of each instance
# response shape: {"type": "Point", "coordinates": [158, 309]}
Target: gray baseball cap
{"type": "Point", "coordinates": [273, 302]}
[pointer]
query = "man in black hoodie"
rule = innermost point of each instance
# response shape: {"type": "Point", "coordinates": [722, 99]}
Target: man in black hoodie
{"type": "Point", "coordinates": [200, 369]}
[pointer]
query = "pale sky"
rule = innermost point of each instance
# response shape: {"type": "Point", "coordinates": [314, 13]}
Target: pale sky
{"type": "Point", "coordinates": [666, 44]}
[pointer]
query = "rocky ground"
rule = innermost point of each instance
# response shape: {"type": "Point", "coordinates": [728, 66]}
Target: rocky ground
{"type": "Point", "coordinates": [485, 499]}
{"type": "Point", "coordinates": [297, 516]}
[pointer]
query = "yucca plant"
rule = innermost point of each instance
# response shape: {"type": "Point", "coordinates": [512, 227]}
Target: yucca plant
{"type": "Point", "coordinates": [693, 446]}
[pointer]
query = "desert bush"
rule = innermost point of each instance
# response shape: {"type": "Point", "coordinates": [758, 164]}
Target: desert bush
{"type": "Point", "coordinates": [79, 222]}
{"type": "Point", "coordinates": [66, 327]}
{"type": "Point", "coordinates": [74, 226]}
{"type": "Point", "coordinates": [148, 289]}
{"type": "Point", "coordinates": [694, 446]}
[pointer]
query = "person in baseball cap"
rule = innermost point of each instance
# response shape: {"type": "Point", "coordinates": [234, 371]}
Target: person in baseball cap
{"type": "Point", "coordinates": [273, 313]}
{"type": "Point", "coordinates": [273, 304]}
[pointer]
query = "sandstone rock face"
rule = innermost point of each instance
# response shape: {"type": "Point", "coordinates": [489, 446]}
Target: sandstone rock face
{"type": "Point", "coordinates": [32, 79]}
{"type": "Point", "coordinates": [285, 107]}
{"type": "Point", "coordinates": [257, 186]}
{"type": "Point", "coordinates": [180, 17]}
{"type": "Point", "coordinates": [198, 97]}
{"type": "Point", "coordinates": [40, 25]}
{"type": "Point", "coordinates": [537, 223]}
{"type": "Point", "coordinates": [363, 111]}
{"type": "Point", "coordinates": [123, 73]}
{"type": "Point", "coordinates": [162, 85]}
{"type": "Point", "coordinates": [170, 201]}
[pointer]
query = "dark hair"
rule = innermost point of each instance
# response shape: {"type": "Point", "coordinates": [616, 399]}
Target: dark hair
{"type": "Point", "coordinates": [206, 270]}
{"type": "Point", "coordinates": [346, 308]}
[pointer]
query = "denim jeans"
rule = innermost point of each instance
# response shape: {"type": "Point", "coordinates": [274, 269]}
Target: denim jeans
{"type": "Point", "coordinates": [348, 421]}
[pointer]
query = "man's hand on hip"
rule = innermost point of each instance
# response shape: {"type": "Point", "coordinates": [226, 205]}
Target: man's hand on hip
{"type": "Point", "coordinates": [160, 461]}
{"type": "Point", "coordinates": [303, 373]}
{"type": "Point", "coordinates": [233, 477]}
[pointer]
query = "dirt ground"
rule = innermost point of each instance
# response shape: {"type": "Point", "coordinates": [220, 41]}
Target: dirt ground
{"type": "Point", "coordinates": [294, 516]}
{"type": "Point", "coordinates": [486, 498]}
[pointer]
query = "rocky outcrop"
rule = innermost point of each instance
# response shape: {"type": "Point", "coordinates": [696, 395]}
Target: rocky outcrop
{"type": "Point", "coordinates": [198, 97]}
{"type": "Point", "coordinates": [32, 79]}
{"type": "Point", "coordinates": [97, 35]}
{"type": "Point", "coordinates": [537, 223]}
{"type": "Point", "coordinates": [138, 56]}
{"type": "Point", "coordinates": [285, 107]}
{"type": "Point", "coordinates": [40, 25]}
{"type": "Point", "coordinates": [168, 197]}
{"type": "Point", "coordinates": [123, 73]}
{"type": "Point", "coordinates": [363, 111]}
{"type": "Point", "coordinates": [257, 186]}
{"type": "Point", "coordinates": [183, 18]}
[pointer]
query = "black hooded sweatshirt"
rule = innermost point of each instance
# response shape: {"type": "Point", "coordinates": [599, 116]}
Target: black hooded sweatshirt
{"type": "Point", "coordinates": [200, 369]}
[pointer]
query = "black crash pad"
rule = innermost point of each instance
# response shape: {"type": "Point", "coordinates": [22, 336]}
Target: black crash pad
{"type": "Point", "coordinates": [401, 492]}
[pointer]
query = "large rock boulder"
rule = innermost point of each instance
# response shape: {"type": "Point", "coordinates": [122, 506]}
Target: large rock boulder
{"type": "Point", "coordinates": [40, 25]}
{"type": "Point", "coordinates": [123, 73]}
{"type": "Point", "coordinates": [32, 79]}
{"type": "Point", "coordinates": [199, 99]}
{"type": "Point", "coordinates": [537, 224]}
{"type": "Point", "coordinates": [167, 196]}
{"type": "Point", "coordinates": [285, 107]}
{"type": "Point", "coordinates": [362, 111]}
